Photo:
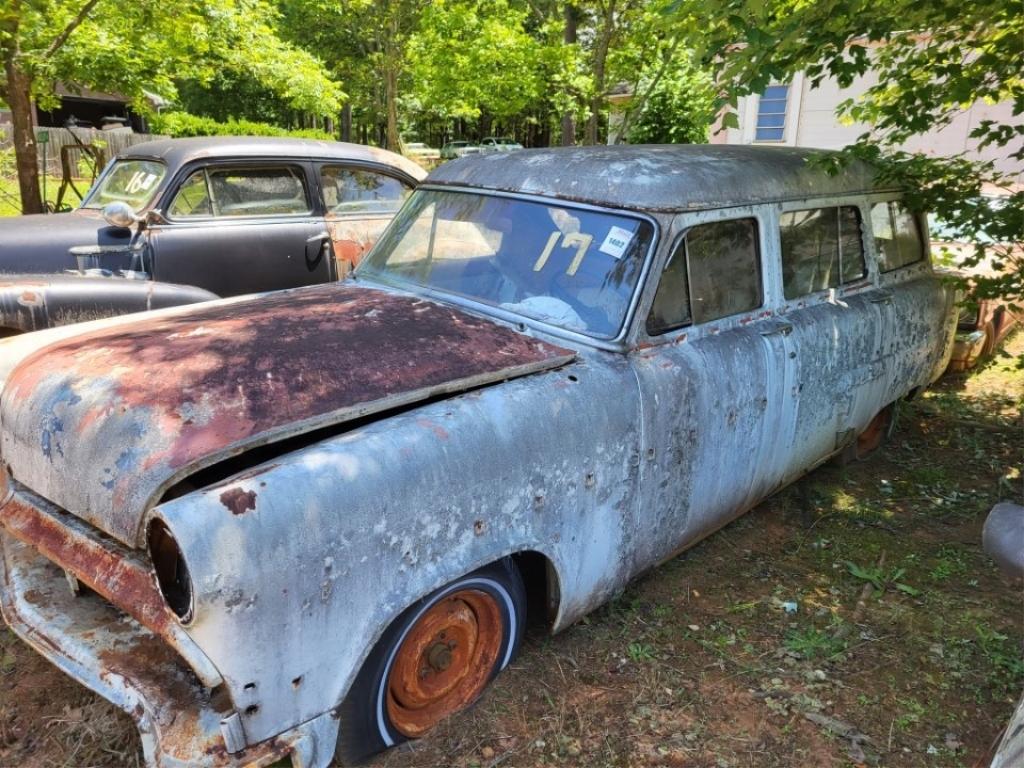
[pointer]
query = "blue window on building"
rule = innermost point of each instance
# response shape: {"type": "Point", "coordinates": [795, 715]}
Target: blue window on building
{"type": "Point", "coordinates": [771, 113]}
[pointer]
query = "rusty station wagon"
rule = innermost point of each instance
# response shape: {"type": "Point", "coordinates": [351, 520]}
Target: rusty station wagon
{"type": "Point", "coordinates": [179, 221]}
{"type": "Point", "coordinates": [305, 523]}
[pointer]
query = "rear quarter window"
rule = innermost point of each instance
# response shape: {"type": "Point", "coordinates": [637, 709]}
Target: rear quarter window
{"type": "Point", "coordinates": [897, 236]}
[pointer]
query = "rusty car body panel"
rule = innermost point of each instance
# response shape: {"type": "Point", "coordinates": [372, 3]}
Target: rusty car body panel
{"type": "Point", "coordinates": [330, 354]}
{"type": "Point", "coordinates": [313, 502]}
{"type": "Point", "coordinates": [33, 302]}
{"type": "Point", "coordinates": [71, 267]}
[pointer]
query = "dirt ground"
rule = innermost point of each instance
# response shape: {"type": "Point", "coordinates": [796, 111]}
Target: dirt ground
{"type": "Point", "coordinates": [748, 650]}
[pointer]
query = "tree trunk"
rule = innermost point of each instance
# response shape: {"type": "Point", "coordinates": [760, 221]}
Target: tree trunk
{"type": "Point", "coordinates": [568, 120]}
{"type": "Point", "coordinates": [604, 40]}
{"type": "Point", "coordinates": [638, 101]}
{"type": "Point", "coordinates": [19, 100]}
{"type": "Point", "coordinates": [346, 122]}
{"type": "Point", "coordinates": [393, 140]}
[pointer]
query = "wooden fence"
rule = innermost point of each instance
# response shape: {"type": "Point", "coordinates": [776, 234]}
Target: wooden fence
{"type": "Point", "coordinates": [112, 142]}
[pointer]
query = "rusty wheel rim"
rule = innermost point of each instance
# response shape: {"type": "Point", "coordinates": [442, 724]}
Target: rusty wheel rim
{"type": "Point", "coordinates": [445, 661]}
{"type": "Point", "coordinates": [871, 438]}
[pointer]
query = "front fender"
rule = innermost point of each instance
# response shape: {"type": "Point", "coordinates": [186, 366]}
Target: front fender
{"type": "Point", "coordinates": [33, 302]}
{"type": "Point", "coordinates": [300, 564]}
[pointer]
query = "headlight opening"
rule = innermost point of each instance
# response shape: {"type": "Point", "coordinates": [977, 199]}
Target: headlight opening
{"type": "Point", "coordinates": [171, 572]}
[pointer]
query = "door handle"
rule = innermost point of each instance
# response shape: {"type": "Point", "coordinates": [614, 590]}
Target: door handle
{"type": "Point", "coordinates": [779, 329]}
{"type": "Point", "coordinates": [317, 237]}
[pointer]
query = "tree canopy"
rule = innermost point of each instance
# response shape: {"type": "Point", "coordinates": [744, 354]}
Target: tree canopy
{"type": "Point", "coordinates": [145, 46]}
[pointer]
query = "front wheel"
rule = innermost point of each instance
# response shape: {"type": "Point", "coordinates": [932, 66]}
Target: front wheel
{"type": "Point", "coordinates": [435, 659]}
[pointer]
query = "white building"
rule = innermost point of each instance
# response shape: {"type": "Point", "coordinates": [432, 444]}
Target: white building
{"type": "Point", "coordinates": [795, 114]}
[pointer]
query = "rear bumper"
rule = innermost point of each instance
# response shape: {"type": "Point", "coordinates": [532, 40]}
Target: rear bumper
{"type": "Point", "coordinates": [966, 350]}
{"type": "Point", "coordinates": [179, 719]}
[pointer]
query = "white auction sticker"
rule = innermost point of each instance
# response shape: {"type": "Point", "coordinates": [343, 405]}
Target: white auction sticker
{"type": "Point", "coordinates": [616, 242]}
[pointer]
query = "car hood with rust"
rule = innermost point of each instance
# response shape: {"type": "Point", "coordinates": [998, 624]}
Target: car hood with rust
{"type": "Point", "coordinates": [104, 423]}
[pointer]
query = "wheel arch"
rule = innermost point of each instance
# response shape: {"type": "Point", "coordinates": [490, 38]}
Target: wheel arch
{"type": "Point", "coordinates": [543, 585]}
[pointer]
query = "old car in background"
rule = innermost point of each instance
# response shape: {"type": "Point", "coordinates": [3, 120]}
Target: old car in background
{"type": "Point", "coordinates": [307, 520]}
{"type": "Point", "coordinates": [985, 321]}
{"type": "Point", "coordinates": [982, 326]}
{"type": "Point", "coordinates": [184, 220]}
{"type": "Point", "coordinates": [454, 149]}
{"type": "Point", "coordinates": [499, 144]}
{"type": "Point", "coordinates": [423, 154]}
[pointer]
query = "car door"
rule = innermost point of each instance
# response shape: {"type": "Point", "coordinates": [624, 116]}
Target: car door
{"type": "Point", "coordinates": [917, 303]}
{"type": "Point", "coordinates": [241, 227]}
{"type": "Point", "coordinates": [838, 317]}
{"type": "Point", "coordinates": [359, 203]}
{"type": "Point", "coordinates": [715, 383]}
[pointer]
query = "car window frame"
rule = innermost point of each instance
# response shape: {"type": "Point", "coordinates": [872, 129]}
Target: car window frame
{"type": "Point", "coordinates": [314, 207]}
{"type": "Point", "coordinates": [922, 266]}
{"type": "Point", "coordinates": [680, 244]}
{"type": "Point", "coordinates": [870, 280]}
{"type": "Point", "coordinates": [317, 169]}
{"type": "Point", "coordinates": [923, 251]}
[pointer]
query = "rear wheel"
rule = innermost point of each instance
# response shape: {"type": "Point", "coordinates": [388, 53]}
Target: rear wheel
{"type": "Point", "coordinates": [872, 437]}
{"type": "Point", "coordinates": [434, 660]}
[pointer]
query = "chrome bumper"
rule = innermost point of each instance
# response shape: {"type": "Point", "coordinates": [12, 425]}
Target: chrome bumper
{"type": "Point", "coordinates": [181, 722]}
{"type": "Point", "coordinates": [966, 350]}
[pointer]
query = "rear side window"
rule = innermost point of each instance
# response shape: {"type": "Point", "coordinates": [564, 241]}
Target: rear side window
{"type": "Point", "coordinates": [227, 192]}
{"type": "Point", "coordinates": [821, 248]}
{"type": "Point", "coordinates": [351, 190]}
{"type": "Point", "coordinates": [714, 272]}
{"type": "Point", "coordinates": [897, 236]}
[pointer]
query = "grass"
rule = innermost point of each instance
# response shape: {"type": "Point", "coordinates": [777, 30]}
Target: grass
{"type": "Point", "coordinates": [10, 197]}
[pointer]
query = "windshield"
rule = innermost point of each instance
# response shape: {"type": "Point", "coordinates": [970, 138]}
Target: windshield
{"type": "Point", "coordinates": [131, 181]}
{"type": "Point", "coordinates": [566, 266]}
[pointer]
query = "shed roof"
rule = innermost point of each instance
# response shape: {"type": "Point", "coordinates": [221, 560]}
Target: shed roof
{"type": "Point", "coordinates": [178, 151]}
{"type": "Point", "coordinates": [660, 177]}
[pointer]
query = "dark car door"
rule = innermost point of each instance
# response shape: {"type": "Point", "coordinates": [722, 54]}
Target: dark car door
{"type": "Point", "coordinates": [242, 227]}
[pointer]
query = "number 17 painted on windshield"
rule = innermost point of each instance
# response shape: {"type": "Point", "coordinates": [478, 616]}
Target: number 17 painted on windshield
{"type": "Point", "coordinates": [580, 240]}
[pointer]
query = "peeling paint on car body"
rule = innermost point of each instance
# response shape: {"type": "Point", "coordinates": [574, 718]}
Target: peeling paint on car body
{"type": "Point", "coordinates": [603, 458]}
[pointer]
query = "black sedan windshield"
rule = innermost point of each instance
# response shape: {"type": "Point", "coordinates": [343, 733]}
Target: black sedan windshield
{"type": "Point", "coordinates": [129, 181]}
{"type": "Point", "coordinates": [570, 267]}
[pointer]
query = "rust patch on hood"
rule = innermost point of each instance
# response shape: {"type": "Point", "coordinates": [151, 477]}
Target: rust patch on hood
{"type": "Point", "coordinates": [101, 423]}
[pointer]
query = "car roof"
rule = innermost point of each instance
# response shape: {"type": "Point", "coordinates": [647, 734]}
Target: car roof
{"type": "Point", "coordinates": [176, 152]}
{"type": "Point", "coordinates": [661, 177]}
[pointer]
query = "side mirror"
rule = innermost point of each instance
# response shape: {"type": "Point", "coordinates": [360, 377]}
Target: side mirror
{"type": "Point", "coordinates": [120, 214]}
